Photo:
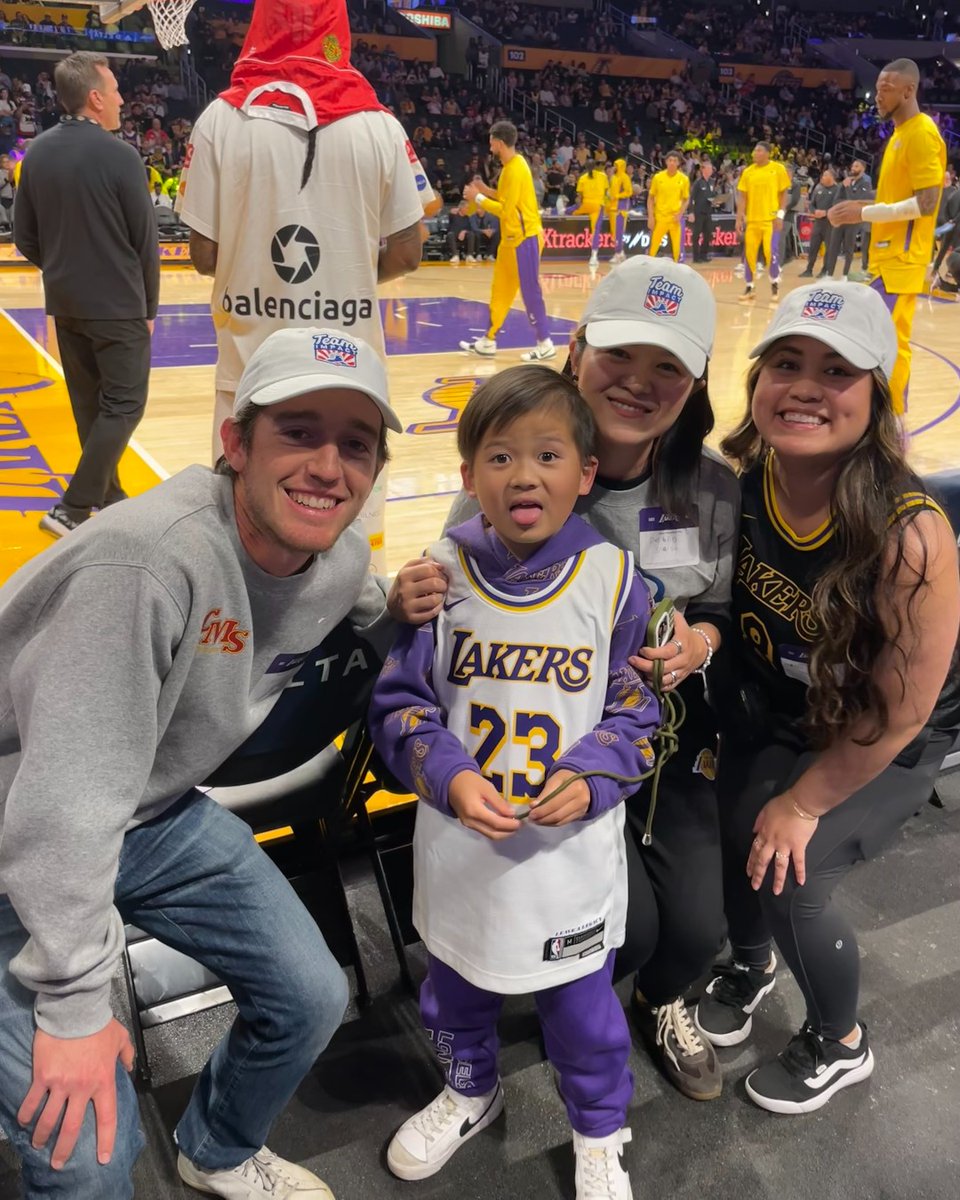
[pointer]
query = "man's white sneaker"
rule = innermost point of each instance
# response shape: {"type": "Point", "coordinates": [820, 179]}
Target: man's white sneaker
{"type": "Point", "coordinates": [618, 259]}
{"type": "Point", "coordinates": [544, 349]}
{"type": "Point", "coordinates": [422, 1145]}
{"type": "Point", "coordinates": [262, 1175]}
{"type": "Point", "coordinates": [594, 260]}
{"type": "Point", "coordinates": [454, 258]}
{"type": "Point", "coordinates": [487, 347]}
{"type": "Point", "coordinates": [469, 258]}
{"type": "Point", "coordinates": [601, 1174]}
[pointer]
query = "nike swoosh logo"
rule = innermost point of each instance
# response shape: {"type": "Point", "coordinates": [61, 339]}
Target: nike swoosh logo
{"type": "Point", "coordinates": [468, 1124]}
{"type": "Point", "coordinates": [454, 603]}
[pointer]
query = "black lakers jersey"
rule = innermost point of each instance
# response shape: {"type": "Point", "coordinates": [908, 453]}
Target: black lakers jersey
{"type": "Point", "coordinates": [772, 607]}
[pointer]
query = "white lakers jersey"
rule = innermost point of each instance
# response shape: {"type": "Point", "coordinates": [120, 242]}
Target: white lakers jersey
{"type": "Point", "coordinates": [520, 679]}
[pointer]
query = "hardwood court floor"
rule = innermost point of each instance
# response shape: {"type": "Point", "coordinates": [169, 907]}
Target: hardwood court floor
{"type": "Point", "coordinates": [425, 315]}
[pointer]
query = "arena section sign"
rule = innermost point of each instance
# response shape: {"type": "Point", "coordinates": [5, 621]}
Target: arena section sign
{"type": "Point", "coordinates": [807, 77]}
{"type": "Point", "coordinates": [529, 58]}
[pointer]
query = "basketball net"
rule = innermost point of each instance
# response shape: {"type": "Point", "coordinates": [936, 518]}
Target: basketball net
{"type": "Point", "coordinates": [170, 21]}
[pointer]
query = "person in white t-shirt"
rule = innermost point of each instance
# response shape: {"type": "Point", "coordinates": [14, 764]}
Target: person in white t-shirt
{"type": "Point", "coordinates": [301, 191]}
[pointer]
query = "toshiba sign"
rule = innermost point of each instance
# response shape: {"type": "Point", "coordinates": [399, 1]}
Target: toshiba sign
{"type": "Point", "coordinates": [426, 19]}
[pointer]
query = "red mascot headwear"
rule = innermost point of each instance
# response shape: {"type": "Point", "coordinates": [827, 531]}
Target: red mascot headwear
{"type": "Point", "coordinates": [295, 65]}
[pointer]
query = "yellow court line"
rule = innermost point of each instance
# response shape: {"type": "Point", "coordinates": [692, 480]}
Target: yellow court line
{"type": "Point", "coordinates": [38, 445]}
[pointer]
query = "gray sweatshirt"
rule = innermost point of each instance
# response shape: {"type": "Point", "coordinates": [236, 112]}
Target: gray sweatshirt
{"type": "Point", "coordinates": [691, 561]}
{"type": "Point", "coordinates": [135, 656]}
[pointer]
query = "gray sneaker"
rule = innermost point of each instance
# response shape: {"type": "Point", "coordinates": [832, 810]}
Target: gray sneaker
{"type": "Point", "coordinates": [687, 1060]}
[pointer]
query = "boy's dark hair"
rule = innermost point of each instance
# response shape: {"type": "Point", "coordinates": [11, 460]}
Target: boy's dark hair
{"type": "Point", "coordinates": [512, 394]}
{"type": "Point", "coordinates": [504, 131]}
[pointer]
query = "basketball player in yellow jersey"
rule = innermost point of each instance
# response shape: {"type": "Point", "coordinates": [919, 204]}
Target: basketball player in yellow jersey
{"type": "Point", "coordinates": [517, 264]}
{"type": "Point", "coordinates": [667, 202]}
{"type": "Point", "coordinates": [619, 203]}
{"type": "Point", "coordinates": [761, 199]}
{"type": "Point", "coordinates": [904, 213]}
{"type": "Point", "coordinates": [592, 190]}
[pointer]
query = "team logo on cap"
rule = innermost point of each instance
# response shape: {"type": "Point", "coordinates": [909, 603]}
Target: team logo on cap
{"type": "Point", "coordinates": [823, 306]}
{"type": "Point", "coordinates": [338, 351]}
{"type": "Point", "coordinates": [663, 297]}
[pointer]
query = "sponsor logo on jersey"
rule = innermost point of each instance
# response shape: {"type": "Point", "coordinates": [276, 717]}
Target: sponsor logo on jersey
{"type": "Point", "coordinates": [421, 182]}
{"type": "Point", "coordinates": [663, 298]}
{"type": "Point", "coordinates": [339, 352]}
{"type": "Point", "coordinates": [516, 662]}
{"type": "Point", "coordinates": [308, 309]}
{"type": "Point", "coordinates": [222, 634]}
{"type": "Point", "coordinates": [823, 306]}
{"type": "Point", "coordinates": [295, 253]}
{"type": "Point", "coordinates": [411, 153]}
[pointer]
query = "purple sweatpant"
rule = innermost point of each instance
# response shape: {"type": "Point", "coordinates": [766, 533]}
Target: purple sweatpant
{"type": "Point", "coordinates": [528, 269]}
{"type": "Point", "coordinates": [584, 1030]}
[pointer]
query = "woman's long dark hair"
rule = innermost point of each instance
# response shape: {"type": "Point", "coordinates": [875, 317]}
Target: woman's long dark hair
{"type": "Point", "coordinates": [854, 595]}
{"type": "Point", "coordinates": [675, 458]}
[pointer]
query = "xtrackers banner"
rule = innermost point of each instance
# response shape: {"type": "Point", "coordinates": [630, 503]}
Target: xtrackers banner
{"type": "Point", "coordinates": [569, 237]}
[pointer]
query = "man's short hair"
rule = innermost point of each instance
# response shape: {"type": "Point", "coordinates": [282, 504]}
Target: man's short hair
{"type": "Point", "coordinates": [504, 131]}
{"type": "Point", "coordinates": [248, 417]}
{"type": "Point", "coordinates": [762, 146]}
{"type": "Point", "coordinates": [905, 67]}
{"type": "Point", "coordinates": [952, 265]}
{"type": "Point", "coordinates": [75, 77]}
{"type": "Point", "coordinates": [677, 154]}
{"type": "Point", "coordinates": [514, 393]}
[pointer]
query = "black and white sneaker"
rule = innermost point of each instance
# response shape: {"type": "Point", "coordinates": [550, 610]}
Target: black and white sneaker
{"type": "Point", "coordinates": [58, 521]}
{"type": "Point", "coordinates": [725, 1012]}
{"type": "Point", "coordinates": [812, 1069]}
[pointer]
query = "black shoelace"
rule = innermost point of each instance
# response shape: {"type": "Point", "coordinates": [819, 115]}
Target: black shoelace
{"type": "Point", "coordinates": [804, 1053]}
{"type": "Point", "coordinates": [734, 986]}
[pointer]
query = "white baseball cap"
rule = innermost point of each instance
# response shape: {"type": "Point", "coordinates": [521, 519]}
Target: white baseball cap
{"type": "Point", "coordinates": [654, 302]}
{"type": "Point", "coordinates": [293, 362]}
{"type": "Point", "coordinates": [848, 317]}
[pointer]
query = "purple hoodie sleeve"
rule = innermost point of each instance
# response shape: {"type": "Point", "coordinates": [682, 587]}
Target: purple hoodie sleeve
{"type": "Point", "coordinates": [406, 722]}
{"type": "Point", "coordinates": [621, 742]}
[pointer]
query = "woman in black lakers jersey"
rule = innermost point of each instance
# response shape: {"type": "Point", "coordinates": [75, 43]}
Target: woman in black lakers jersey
{"type": "Point", "coordinates": [846, 600]}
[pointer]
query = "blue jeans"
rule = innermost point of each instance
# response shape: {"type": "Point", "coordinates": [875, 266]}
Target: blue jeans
{"type": "Point", "coordinates": [195, 879]}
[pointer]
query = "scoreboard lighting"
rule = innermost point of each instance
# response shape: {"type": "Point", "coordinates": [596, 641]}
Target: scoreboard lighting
{"type": "Point", "coordinates": [426, 19]}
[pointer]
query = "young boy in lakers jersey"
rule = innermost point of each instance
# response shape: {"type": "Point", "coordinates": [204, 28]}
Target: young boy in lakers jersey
{"type": "Point", "coordinates": [521, 682]}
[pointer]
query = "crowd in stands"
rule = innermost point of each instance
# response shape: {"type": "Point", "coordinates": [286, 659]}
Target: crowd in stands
{"type": "Point", "coordinates": [156, 121]}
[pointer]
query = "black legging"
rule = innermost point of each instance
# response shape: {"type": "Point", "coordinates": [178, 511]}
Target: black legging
{"type": "Point", "coordinates": [675, 925]}
{"type": "Point", "coordinates": [813, 937]}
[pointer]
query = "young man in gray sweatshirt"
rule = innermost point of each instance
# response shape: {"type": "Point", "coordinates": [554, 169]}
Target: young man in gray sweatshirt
{"type": "Point", "coordinates": [135, 657]}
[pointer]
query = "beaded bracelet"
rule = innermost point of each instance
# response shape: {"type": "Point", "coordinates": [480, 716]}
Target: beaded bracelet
{"type": "Point", "coordinates": [702, 669]}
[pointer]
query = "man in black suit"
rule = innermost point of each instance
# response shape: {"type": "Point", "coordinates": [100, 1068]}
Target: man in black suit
{"type": "Point", "coordinates": [703, 197]}
{"type": "Point", "coordinates": [823, 197]}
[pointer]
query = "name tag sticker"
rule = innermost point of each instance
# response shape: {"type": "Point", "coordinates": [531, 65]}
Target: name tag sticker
{"type": "Point", "coordinates": [794, 661]}
{"type": "Point", "coordinates": [666, 541]}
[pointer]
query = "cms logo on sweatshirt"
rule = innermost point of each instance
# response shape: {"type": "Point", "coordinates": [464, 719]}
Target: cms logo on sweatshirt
{"type": "Point", "coordinates": [223, 634]}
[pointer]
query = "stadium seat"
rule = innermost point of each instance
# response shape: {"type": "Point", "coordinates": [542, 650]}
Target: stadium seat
{"type": "Point", "coordinates": [287, 782]}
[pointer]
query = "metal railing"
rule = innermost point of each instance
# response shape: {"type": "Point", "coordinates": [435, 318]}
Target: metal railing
{"type": "Point", "coordinates": [195, 86]}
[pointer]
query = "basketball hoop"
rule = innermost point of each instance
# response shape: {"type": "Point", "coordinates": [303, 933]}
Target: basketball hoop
{"type": "Point", "coordinates": [170, 21]}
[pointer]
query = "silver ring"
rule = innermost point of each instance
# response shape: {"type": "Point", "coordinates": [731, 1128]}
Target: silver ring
{"type": "Point", "coordinates": [780, 856]}
{"type": "Point", "coordinates": [674, 676]}
{"type": "Point", "coordinates": [678, 644]}
{"type": "Point", "coordinates": [759, 843]}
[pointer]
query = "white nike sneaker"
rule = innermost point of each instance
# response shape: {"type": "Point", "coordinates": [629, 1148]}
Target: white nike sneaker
{"type": "Point", "coordinates": [544, 349]}
{"type": "Point", "coordinates": [594, 260]}
{"type": "Point", "coordinates": [425, 1142]}
{"type": "Point", "coordinates": [601, 1174]}
{"type": "Point", "coordinates": [262, 1175]}
{"type": "Point", "coordinates": [487, 347]}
